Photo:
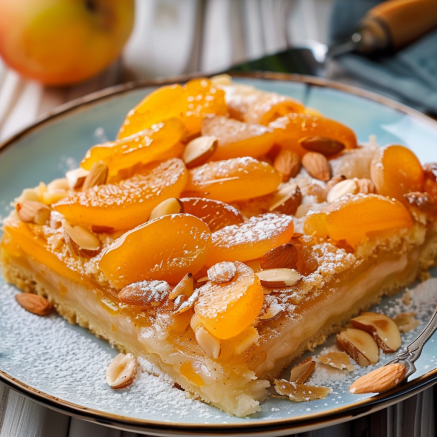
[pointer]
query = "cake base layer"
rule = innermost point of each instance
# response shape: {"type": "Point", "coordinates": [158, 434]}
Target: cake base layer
{"type": "Point", "coordinates": [79, 304]}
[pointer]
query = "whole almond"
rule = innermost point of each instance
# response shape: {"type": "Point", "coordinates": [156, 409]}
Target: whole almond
{"type": "Point", "coordinates": [97, 176]}
{"type": "Point", "coordinates": [365, 186]}
{"type": "Point", "coordinates": [286, 200]}
{"type": "Point", "coordinates": [184, 287]}
{"type": "Point", "coordinates": [30, 211]}
{"type": "Point", "coordinates": [317, 166]}
{"type": "Point", "coordinates": [334, 181]}
{"type": "Point", "coordinates": [34, 303]}
{"type": "Point", "coordinates": [76, 177]}
{"type": "Point", "coordinates": [121, 371]}
{"type": "Point", "coordinates": [288, 163]}
{"type": "Point", "coordinates": [379, 380]}
{"type": "Point", "coordinates": [278, 278]}
{"type": "Point", "coordinates": [81, 241]}
{"type": "Point", "coordinates": [284, 256]}
{"type": "Point", "coordinates": [199, 150]}
{"type": "Point", "coordinates": [349, 186]}
{"type": "Point", "coordinates": [421, 201]}
{"type": "Point", "coordinates": [323, 145]}
{"type": "Point", "coordinates": [145, 293]}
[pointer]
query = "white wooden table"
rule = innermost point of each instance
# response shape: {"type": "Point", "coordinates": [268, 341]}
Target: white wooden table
{"type": "Point", "coordinates": [172, 37]}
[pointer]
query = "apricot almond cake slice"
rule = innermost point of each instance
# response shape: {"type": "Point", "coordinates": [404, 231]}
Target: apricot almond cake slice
{"type": "Point", "coordinates": [223, 233]}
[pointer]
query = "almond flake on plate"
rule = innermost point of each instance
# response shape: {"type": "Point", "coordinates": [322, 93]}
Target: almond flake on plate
{"type": "Point", "coordinates": [339, 360]}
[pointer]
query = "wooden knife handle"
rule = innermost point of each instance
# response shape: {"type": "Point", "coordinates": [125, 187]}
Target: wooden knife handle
{"type": "Point", "coordinates": [403, 21]}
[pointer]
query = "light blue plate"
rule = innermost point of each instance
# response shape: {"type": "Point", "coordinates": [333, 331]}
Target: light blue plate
{"type": "Point", "coordinates": [63, 366]}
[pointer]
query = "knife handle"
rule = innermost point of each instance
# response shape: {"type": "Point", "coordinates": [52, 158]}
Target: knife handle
{"type": "Point", "coordinates": [396, 23]}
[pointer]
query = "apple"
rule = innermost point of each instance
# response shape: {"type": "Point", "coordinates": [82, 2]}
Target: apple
{"type": "Point", "coordinates": [60, 42]}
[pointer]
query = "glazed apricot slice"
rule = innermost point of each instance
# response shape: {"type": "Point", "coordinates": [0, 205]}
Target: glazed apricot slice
{"type": "Point", "coordinates": [269, 107]}
{"type": "Point", "coordinates": [166, 249]}
{"type": "Point", "coordinates": [215, 214]}
{"type": "Point", "coordinates": [251, 239]}
{"type": "Point", "coordinates": [353, 218]}
{"type": "Point", "coordinates": [202, 98]}
{"type": "Point", "coordinates": [165, 102]}
{"type": "Point", "coordinates": [396, 171]}
{"type": "Point", "coordinates": [292, 128]}
{"type": "Point", "coordinates": [128, 203]}
{"type": "Point", "coordinates": [149, 145]}
{"type": "Point", "coordinates": [237, 139]}
{"type": "Point", "coordinates": [233, 179]}
{"type": "Point", "coordinates": [226, 310]}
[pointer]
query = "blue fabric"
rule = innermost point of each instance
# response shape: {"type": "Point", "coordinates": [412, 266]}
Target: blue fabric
{"type": "Point", "coordinates": [409, 76]}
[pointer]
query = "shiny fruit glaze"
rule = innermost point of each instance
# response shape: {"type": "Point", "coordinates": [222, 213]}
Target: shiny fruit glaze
{"type": "Point", "coordinates": [355, 217]}
{"type": "Point", "coordinates": [165, 102]}
{"type": "Point", "coordinates": [396, 171]}
{"type": "Point", "coordinates": [233, 179]}
{"type": "Point", "coordinates": [128, 203]}
{"type": "Point", "coordinates": [214, 213]}
{"type": "Point", "coordinates": [237, 139]}
{"type": "Point", "coordinates": [166, 248]}
{"type": "Point", "coordinates": [228, 309]}
{"type": "Point", "coordinates": [202, 98]}
{"type": "Point", "coordinates": [143, 147]}
{"type": "Point", "coordinates": [292, 128]}
{"type": "Point", "coordinates": [251, 239]}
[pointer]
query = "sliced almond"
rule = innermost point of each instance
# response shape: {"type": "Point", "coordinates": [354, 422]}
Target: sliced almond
{"type": "Point", "coordinates": [286, 200]}
{"type": "Point", "coordinates": [421, 201]}
{"type": "Point", "coordinates": [34, 303]}
{"type": "Point", "coordinates": [81, 241]}
{"type": "Point", "coordinates": [185, 287]}
{"type": "Point", "coordinates": [349, 186]}
{"type": "Point", "coordinates": [334, 181]}
{"type": "Point", "coordinates": [284, 256]}
{"type": "Point", "coordinates": [365, 186]}
{"type": "Point", "coordinates": [271, 308]}
{"type": "Point", "coordinates": [406, 322]}
{"type": "Point", "coordinates": [199, 150]}
{"type": "Point", "coordinates": [360, 346]}
{"type": "Point", "coordinates": [379, 380]}
{"type": "Point", "coordinates": [167, 207]}
{"type": "Point", "coordinates": [323, 145]}
{"type": "Point", "coordinates": [208, 343]}
{"type": "Point", "coordinates": [279, 278]}
{"type": "Point", "coordinates": [97, 176]}
{"type": "Point", "coordinates": [300, 392]}
{"type": "Point", "coordinates": [121, 371]}
{"type": "Point", "coordinates": [58, 185]}
{"type": "Point", "coordinates": [222, 272]}
{"type": "Point", "coordinates": [76, 177]}
{"type": "Point", "coordinates": [338, 360]}
{"type": "Point", "coordinates": [302, 371]}
{"type": "Point", "coordinates": [288, 163]}
{"type": "Point", "coordinates": [183, 303]}
{"type": "Point", "coordinates": [145, 293]}
{"type": "Point", "coordinates": [30, 211]}
{"type": "Point", "coordinates": [317, 166]}
{"type": "Point", "coordinates": [383, 329]}
{"type": "Point", "coordinates": [195, 322]}
{"type": "Point", "coordinates": [243, 341]}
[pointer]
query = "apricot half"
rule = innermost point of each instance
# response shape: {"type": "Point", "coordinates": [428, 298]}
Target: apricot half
{"type": "Point", "coordinates": [128, 203]}
{"type": "Point", "coordinates": [292, 128]}
{"type": "Point", "coordinates": [236, 138]}
{"type": "Point", "coordinates": [251, 239]}
{"type": "Point", "coordinates": [166, 248]}
{"type": "Point", "coordinates": [146, 146]}
{"type": "Point", "coordinates": [355, 217]}
{"type": "Point", "coordinates": [396, 171]}
{"type": "Point", "coordinates": [233, 179]}
{"type": "Point", "coordinates": [228, 309]}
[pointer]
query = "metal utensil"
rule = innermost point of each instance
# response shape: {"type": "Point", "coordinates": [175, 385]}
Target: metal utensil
{"type": "Point", "coordinates": [409, 354]}
{"type": "Point", "coordinates": [387, 27]}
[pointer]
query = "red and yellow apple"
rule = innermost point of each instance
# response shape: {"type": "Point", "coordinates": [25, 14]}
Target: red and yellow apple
{"type": "Point", "coordinates": [60, 42]}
